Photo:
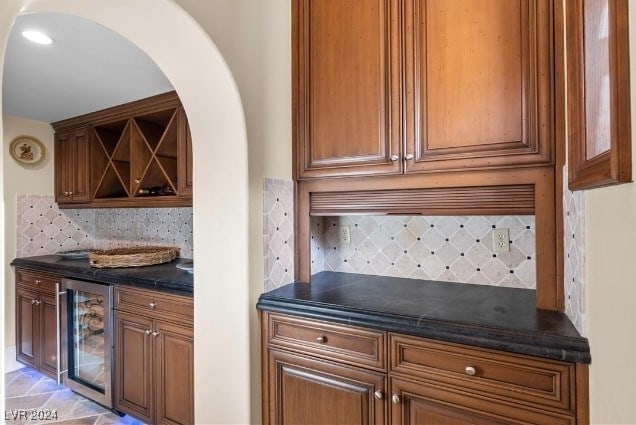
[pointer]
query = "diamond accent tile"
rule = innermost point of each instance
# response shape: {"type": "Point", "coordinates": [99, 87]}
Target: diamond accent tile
{"type": "Point", "coordinates": [423, 247]}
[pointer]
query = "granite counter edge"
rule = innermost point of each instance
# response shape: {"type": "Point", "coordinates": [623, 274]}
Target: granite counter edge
{"type": "Point", "coordinates": [557, 347]}
{"type": "Point", "coordinates": [102, 276]}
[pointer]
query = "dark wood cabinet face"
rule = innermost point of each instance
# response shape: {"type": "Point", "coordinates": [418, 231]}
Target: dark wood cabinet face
{"type": "Point", "coordinates": [27, 327]}
{"type": "Point", "coordinates": [48, 335]}
{"type": "Point", "coordinates": [134, 385]}
{"type": "Point", "coordinates": [304, 390]}
{"type": "Point", "coordinates": [346, 82]}
{"type": "Point", "coordinates": [72, 178]}
{"type": "Point", "coordinates": [598, 93]}
{"type": "Point", "coordinates": [174, 355]}
{"type": "Point", "coordinates": [478, 84]}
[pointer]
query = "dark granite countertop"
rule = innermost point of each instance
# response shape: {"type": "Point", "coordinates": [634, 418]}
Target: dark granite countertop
{"type": "Point", "coordinates": [484, 316]}
{"type": "Point", "coordinates": [164, 277]}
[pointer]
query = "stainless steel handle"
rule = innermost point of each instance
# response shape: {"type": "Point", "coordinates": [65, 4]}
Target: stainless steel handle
{"type": "Point", "coordinates": [147, 331]}
{"type": "Point", "coordinates": [58, 331]}
{"type": "Point", "coordinates": [394, 158]}
{"type": "Point", "coordinates": [154, 333]}
{"type": "Point", "coordinates": [395, 399]}
{"type": "Point", "coordinates": [409, 156]}
{"type": "Point", "coordinates": [321, 339]}
{"type": "Point", "coordinates": [379, 395]}
{"type": "Point", "coordinates": [153, 305]}
{"type": "Point", "coordinates": [470, 370]}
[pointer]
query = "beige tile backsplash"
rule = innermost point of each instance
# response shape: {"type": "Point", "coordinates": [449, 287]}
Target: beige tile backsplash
{"type": "Point", "coordinates": [573, 233]}
{"type": "Point", "coordinates": [452, 249]}
{"type": "Point", "coordinates": [42, 228]}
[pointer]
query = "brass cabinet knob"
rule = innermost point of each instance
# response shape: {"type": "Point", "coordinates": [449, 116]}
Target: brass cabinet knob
{"type": "Point", "coordinates": [153, 304]}
{"type": "Point", "coordinates": [409, 156]}
{"type": "Point", "coordinates": [321, 339]}
{"type": "Point", "coordinates": [33, 301]}
{"type": "Point", "coordinates": [70, 193]}
{"type": "Point", "coordinates": [147, 331]}
{"type": "Point", "coordinates": [38, 281]}
{"type": "Point", "coordinates": [155, 334]}
{"type": "Point", "coordinates": [137, 181]}
{"type": "Point", "coordinates": [395, 399]}
{"type": "Point", "coordinates": [470, 370]}
{"type": "Point", "coordinates": [379, 395]}
{"type": "Point", "coordinates": [394, 158]}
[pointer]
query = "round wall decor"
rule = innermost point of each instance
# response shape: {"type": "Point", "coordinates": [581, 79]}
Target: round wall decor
{"type": "Point", "coordinates": [27, 150]}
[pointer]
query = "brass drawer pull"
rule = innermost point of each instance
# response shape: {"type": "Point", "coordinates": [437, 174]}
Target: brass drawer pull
{"type": "Point", "coordinates": [470, 370]}
{"type": "Point", "coordinates": [379, 395]}
{"type": "Point", "coordinates": [395, 399]}
{"type": "Point", "coordinates": [321, 339]}
{"type": "Point", "coordinates": [153, 305]}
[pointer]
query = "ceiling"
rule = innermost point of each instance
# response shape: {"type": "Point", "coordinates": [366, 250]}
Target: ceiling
{"type": "Point", "coordinates": [87, 68]}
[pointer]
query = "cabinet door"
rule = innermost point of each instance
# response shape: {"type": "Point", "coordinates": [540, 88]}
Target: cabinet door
{"type": "Point", "coordinates": [48, 335]}
{"type": "Point", "coordinates": [307, 391]}
{"type": "Point", "coordinates": [426, 403]}
{"type": "Point", "coordinates": [63, 167]}
{"type": "Point", "coordinates": [478, 84]}
{"type": "Point", "coordinates": [27, 327]}
{"type": "Point", "coordinates": [81, 149]}
{"type": "Point", "coordinates": [71, 166]}
{"type": "Point", "coordinates": [174, 373]}
{"type": "Point", "coordinates": [134, 384]}
{"type": "Point", "coordinates": [185, 156]}
{"type": "Point", "coordinates": [346, 87]}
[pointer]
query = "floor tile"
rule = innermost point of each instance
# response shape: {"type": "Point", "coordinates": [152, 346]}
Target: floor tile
{"type": "Point", "coordinates": [26, 401]}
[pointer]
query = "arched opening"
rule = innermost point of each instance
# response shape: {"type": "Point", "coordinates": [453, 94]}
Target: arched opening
{"type": "Point", "coordinates": [208, 92]}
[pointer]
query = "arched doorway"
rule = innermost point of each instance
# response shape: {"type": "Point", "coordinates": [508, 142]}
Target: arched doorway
{"type": "Point", "coordinates": [199, 74]}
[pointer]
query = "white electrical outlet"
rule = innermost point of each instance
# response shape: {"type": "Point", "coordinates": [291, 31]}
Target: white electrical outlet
{"type": "Point", "coordinates": [345, 235]}
{"type": "Point", "coordinates": [500, 240]}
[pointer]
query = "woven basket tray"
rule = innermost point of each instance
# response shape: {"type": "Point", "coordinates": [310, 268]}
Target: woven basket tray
{"type": "Point", "coordinates": [132, 257]}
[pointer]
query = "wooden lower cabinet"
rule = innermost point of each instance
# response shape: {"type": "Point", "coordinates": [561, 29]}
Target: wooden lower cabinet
{"type": "Point", "coordinates": [305, 390]}
{"type": "Point", "coordinates": [414, 402]}
{"type": "Point", "coordinates": [154, 357]}
{"type": "Point", "coordinates": [421, 382]}
{"type": "Point", "coordinates": [36, 333]}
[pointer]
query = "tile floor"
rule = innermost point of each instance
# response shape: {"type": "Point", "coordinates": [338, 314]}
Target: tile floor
{"type": "Point", "coordinates": [27, 390]}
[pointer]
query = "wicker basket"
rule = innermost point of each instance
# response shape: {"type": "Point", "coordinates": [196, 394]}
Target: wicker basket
{"type": "Point", "coordinates": [132, 257]}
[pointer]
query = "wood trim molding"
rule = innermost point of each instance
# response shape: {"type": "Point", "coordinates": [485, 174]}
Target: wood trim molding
{"type": "Point", "coordinates": [541, 179]}
{"type": "Point", "coordinates": [125, 111]}
{"type": "Point", "coordinates": [613, 165]}
{"type": "Point", "coordinates": [484, 200]}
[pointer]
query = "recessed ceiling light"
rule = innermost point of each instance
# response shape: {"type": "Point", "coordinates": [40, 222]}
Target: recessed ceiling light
{"type": "Point", "coordinates": [37, 37]}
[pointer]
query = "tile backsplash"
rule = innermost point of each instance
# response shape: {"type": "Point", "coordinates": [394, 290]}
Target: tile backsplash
{"type": "Point", "coordinates": [573, 233]}
{"type": "Point", "coordinates": [453, 249]}
{"type": "Point", "coordinates": [42, 228]}
{"type": "Point", "coordinates": [278, 232]}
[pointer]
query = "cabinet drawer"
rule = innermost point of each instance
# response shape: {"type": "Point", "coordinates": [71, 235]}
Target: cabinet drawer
{"type": "Point", "coordinates": [154, 304]}
{"type": "Point", "coordinates": [40, 282]}
{"type": "Point", "coordinates": [517, 378]}
{"type": "Point", "coordinates": [356, 346]}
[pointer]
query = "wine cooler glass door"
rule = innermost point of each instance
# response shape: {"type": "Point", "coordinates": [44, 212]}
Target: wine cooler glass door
{"type": "Point", "coordinates": [89, 340]}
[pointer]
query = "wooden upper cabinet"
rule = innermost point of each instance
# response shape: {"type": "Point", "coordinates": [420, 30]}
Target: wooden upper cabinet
{"type": "Point", "coordinates": [140, 153]}
{"type": "Point", "coordinates": [72, 156]}
{"type": "Point", "coordinates": [346, 87]}
{"type": "Point", "coordinates": [386, 87]}
{"type": "Point", "coordinates": [478, 84]}
{"type": "Point", "coordinates": [599, 117]}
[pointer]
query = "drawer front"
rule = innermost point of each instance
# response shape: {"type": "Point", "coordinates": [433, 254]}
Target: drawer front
{"type": "Point", "coordinates": [510, 377]}
{"type": "Point", "coordinates": [154, 304]}
{"type": "Point", "coordinates": [39, 282]}
{"type": "Point", "coordinates": [356, 346]}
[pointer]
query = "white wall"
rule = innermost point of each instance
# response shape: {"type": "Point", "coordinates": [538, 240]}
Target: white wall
{"type": "Point", "coordinates": [611, 287]}
{"type": "Point", "coordinates": [222, 302]}
{"type": "Point", "coordinates": [21, 179]}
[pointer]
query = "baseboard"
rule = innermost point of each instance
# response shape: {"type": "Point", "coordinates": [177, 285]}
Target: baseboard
{"type": "Point", "coordinates": [10, 363]}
